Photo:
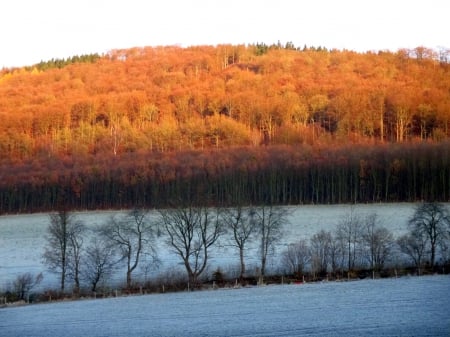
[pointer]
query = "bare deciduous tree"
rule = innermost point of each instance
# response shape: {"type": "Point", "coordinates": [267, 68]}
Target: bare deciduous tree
{"type": "Point", "coordinates": [349, 233]}
{"type": "Point", "coordinates": [132, 235]}
{"type": "Point", "coordinates": [191, 231]}
{"type": "Point", "coordinates": [243, 227]}
{"type": "Point", "coordinates": [98, 262]}
{"type": "Point", "coordinates": [75, 249]}
{"type": "Point", "coordinates": [413, 245]}
{"type": "Point", "coordinates": [431, 219]}
{"type": "Point", "coordinates": [64, 239]}
{"type": "Point", "coordinates": [296, 257]}
{"type": "Point", "coordinates": [321, 244]}
{"type": "Point", "coordinates": [378, 242]}
{"type": "Point", "coordinates": [337, 256]}
{"type": "Point", "coordinates": [269, 221]}
{"type": "Point", "coordinates": [25, 283]}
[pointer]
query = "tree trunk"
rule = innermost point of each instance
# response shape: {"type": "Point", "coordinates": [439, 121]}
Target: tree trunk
{"type": "Point", "coordinates": [381, 123]}
{"type": "Point", "coordinates": [241, 256]}
{"type": "Point", "coordinates": [128, 279]}
{"type": "Point", "coordinates": [64, 259]}
{"type": "Point", "coordinates": [433, 254]}
{"type": "Point", "coordinates": [263, 266]}
{"type": "Point", "coordinates": [63, 277]}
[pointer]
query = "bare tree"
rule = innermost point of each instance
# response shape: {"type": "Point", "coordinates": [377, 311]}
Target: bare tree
{"type": "Point", "coordinates": [75, 250]}
{"type": "Point", "coordinates": [191, 231]}
{"type": "Point", "coordinates": [349, 233]}
{"type": "Point", "coordinates": [243, 227]}
{"type": "Point", "coordinates": [98, 262]}
{"type": "Point", "coordinates": [378, 242]}
{"type": "Point", "coordinates": [444, 246]}
{"type": "Point", "coordinates": [296, 257]}
{"type": "Point", "coordinates": [25, 283]}
{"type": "Point", "coordinates": [337, 255]}
{"type": "Point", "coordinates": [431, 219]}
{"type": "Point", "coordinates": [132, 235]}
{"type": "Point", "coordinates": [269, 221]}
{"type": "Point", "coordinates": [413, 245]}
{"type": "Point", "coordinates": [64, 239]}
{"type": "Point", "coordinates": [321, 244]}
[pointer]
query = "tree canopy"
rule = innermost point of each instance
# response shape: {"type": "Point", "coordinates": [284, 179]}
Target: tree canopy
{"type": "Point", "coordinates": [78, 125]}
{"type": "Point", "coordinates": [172, 98]}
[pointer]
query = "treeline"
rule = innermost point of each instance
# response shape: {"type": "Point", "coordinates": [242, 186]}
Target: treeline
{"type": "Point", "coordinates": [61, 63]}
{"type": "Point", "coordinates": [359, 246]}
{"type": "Point", "coordinates": [225, 124]}
{"type": "Point", "coordinates": [173, 99]}
{"type": "Point", "coordinates": [247, 175]}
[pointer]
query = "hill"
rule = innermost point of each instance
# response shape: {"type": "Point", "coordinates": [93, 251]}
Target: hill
{"type": "Point", "coordinates": [62, 120]}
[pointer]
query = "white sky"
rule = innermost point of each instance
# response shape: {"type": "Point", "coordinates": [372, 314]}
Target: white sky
{"type": "Point", "coordinates": [35, 30]}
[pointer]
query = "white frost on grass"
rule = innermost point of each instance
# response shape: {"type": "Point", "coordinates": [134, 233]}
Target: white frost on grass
{"type": "Point", "coordinates": [410, 306]}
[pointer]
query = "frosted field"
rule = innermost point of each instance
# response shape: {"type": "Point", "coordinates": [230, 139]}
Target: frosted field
{"type": "Point", "coordinates": [22, 238]}
{"type": "Point", "coordinates": [410, 306]}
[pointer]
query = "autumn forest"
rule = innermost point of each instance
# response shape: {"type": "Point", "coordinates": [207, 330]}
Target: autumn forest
{"type": "Point", "coordinates": [225, 125]}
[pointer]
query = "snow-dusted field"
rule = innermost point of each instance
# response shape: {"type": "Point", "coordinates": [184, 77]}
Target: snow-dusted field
{"type": "Point", "coordinates": [410, 306]}
{"type": "Point", "coordinates": [22, 237]}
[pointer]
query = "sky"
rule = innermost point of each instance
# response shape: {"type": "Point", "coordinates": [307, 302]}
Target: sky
{"type": "Point", "coordinates": [36, 30]}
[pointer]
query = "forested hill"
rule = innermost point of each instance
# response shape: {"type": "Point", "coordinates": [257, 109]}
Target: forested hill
{"type": "Point", "coordinates": [156, 101]}
{"type": "Point", "coordinates": [171, 98]}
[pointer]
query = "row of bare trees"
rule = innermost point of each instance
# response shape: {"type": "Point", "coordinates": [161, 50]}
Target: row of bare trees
{"type": "Point", "coordinates": [189, 232]}
{"type": "Point", "coordinates": [359, 242]}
